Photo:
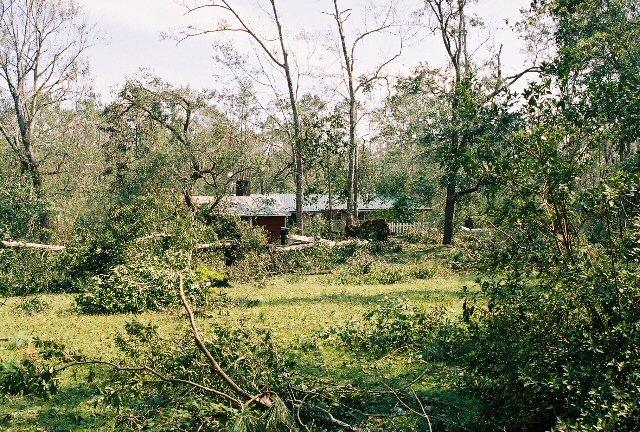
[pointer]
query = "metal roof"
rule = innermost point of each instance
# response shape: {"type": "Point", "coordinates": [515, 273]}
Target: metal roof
{"type": "Point", "coordinates": [254, 205]}
{"type": "Point", "coordinates": [285, 204]}
{"type": "Point", "coordinates": [317, 203]}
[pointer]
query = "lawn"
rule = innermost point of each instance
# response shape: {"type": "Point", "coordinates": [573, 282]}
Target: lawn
{"type": "Point", "coordinates": [293, 307]}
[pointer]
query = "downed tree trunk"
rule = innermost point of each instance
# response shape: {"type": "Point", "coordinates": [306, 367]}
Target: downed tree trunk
{"type": "Point", "coordinates": [293, 248]}
{"type": "Point", "coordinates": [301, 239]}
{"type": "Point", "coordinates": [324, 242]}
{"type": "Point", "coordinates": [11, 244]}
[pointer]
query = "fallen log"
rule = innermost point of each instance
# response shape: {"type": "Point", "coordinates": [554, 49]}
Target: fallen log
{"type": "Point", "coordinates": [217, 245]}
{"type": "Point", "coordinates": [324, 242]}
{"type": "Point", "coordinates": [293, 248]}
{"type": "Point", "coordinates": [300, 239]}
{"type": "Point", "coordinates": [11, 244]}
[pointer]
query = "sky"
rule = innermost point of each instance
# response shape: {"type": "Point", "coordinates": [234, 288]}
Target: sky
{"type": "Point", "coordinates": [131, 38]}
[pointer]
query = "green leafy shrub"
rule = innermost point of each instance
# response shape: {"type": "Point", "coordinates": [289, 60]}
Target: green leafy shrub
{"type": "Point", "coordinates": [32, 306]}
{"type": "Point", "coordinates": [134, 288]}
{"type": "Point", "coordinates": [240, 238]}
{"type": "Point", "coordinates": [27, 377]}
{"type": "Point", "coordinates": [393, 325]}
{"type": "Point", "coordinates": [423, 235]}
{"type": "Point", "coordinates": [364, 268]}
{"type": "Point", "coordinates": [315, 260]}
{"type": "Point", "coordinates": [211, 277]}
{"type": "Point", "coordinates": [250, 356]}
{"type": "Point", "coordinates": [423, 270]}
{"type": "Point", "coordinates": [26, 272]}
{"type": "Point", "coordinates": [34, 374]}
{"type": "Point", "coordinates": [556, 347]}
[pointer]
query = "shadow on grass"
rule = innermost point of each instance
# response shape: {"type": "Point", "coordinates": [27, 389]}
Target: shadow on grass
{"type": "Point", "coordinates": [412, 253]}
{"type": "Point", "coordinates": [68, 410]}
{"type": "Point", "coordinates": [364, 300]}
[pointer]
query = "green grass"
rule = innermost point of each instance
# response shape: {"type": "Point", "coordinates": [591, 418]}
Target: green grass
{"type": "Point", "coordinates": [292, 307]}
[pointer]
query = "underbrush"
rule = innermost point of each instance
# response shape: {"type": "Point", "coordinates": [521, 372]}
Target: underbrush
{"type": "Point", "coordinates": [364, 268]}
{"type": "Point", "coordinates": [315, 260]}
{"type": "Point", "coordinates": [26, 272]}
{"type": "Point", "coordinates": [149, 285]}
{"type": "Point", "coordinates": [393, 325]}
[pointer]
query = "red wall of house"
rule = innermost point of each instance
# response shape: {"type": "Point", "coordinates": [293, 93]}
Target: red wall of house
{"type": "Point", "coordinates": [272, 225]}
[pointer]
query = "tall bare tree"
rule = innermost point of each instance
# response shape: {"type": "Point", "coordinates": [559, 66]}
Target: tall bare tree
{"type": "Point", "coordinates": [450, 22]}
{"type": "Point", "coordinates": [41, 48]}
{"type": "Point", "coordinates": [275, 49]}
{"type": "Point", "coordinates": [349, 55]}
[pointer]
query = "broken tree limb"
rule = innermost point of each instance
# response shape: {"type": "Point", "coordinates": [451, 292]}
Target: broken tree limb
{"type": "Point", "coordinates": [294, 247]}
{"type": "Point", "coordinates": [323, 242]}
{"type": "Point", "coordinates": [12, 244]}
{"type": "Point", "coordinates": [301, 239]}
{"type": "Point", "coordinates": [216, 245]}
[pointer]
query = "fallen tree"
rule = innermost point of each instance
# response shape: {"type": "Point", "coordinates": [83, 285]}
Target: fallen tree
{"type": "Point", "coordinates": [12, 244]}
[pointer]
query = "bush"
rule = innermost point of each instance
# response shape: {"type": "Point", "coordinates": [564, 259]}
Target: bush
{"type": "Point", "coordinates": [242, 239]}
{"type": "Point", "coordinates": [562, 348]}
{"type": "Point", "coordinates": [423, 270]}
{"type": "Point", "coordinates": [250, 356]}
{"type": "Point", "coordinates": [26, 272]}
{"type": "Point", "coordinates": [423, 235]}
{"type": "Point", "coordinates": [314, 260]}
{"type": "Point", "coordinates": [35, 374]}
{"type": "Point", "coordinates": [363, 268]}
{"type": "Point", "coordinates": [146, 286]}
{"type": "Point", "coordinates": [212, 277]}
{"type": "Point", "coordinates": [32, 306]}
{"type": "Point", "coordinates": [393, 325]}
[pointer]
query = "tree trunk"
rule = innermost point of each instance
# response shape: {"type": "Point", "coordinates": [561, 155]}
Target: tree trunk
{"type": "Point", "coordinates": [32, 165]}
{"type": "Point", "coordinates": [352, 182]}
{"type": "Point", "coordinates": [330, 207]}
{"type": "Point", "coordinates": [450, 210]}
{"type": "Point", "coordinates": [297, 132]}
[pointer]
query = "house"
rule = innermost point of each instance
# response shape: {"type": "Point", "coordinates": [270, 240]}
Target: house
{"type": "Point", "coordinates": [264, 211]}
{"type": "Point", "coordinates": [318, 205]}
{"type": "Point", "coordinates": [271, 211]}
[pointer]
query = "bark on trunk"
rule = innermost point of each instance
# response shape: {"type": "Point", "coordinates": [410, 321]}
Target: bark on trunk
{"type": "Point", "coordinates": [449, 210]}
{"type": "Point", "coordinates": [297, 141]}
{"type": "Point", "coordinates": [352, 193]}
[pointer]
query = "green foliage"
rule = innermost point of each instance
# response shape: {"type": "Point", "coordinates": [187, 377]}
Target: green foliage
{"type": "Point", "coordinates": [393, 325]}
{"type": "Point", "coordinates": [250, 356]}
{"type": "Point", "coordinates": [19, 213]}
{"type": "Point", "coordinates": [27, 378]}
{"type": "Point", "coordinates": [25, 272]}
{"type": "Point", "coordinates": [314, 260]}
{"type": "Point", "coordinates": [35, 374]}
{"type": "Point", "coordinates": [422, 235]}
{"type": "Point", "coordinates": [33, 305]}
{"type": "Point", "coordinates": [144, 286]}
{"type": "Point", "coordinates": [211, 277]}
{"type": "Point", "coordinates": [364, 268]}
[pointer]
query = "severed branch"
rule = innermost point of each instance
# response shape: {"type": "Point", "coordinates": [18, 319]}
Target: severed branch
{"type": "Point", "coordinates": [11, 244]}
{"type": "Point", "coordinates": [263, 400]}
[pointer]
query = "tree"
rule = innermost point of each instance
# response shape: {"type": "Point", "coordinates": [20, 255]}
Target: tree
{"type": "Point", "coordinates": [277, 53]}
{"type": "Point", "coordinates": [41, 48]}
{"type": "Point", "coordinates": [326, 144]}
{"type": "Point", "coordinates": [364, 83]}
{"type": "Point", "coordinates": [203, 147]}
{"type": "Point", "coordinates": [475, 108]}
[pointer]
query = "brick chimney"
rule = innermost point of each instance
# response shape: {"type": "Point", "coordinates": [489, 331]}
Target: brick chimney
{"type": "Point", "coordinates": [243, 188]}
